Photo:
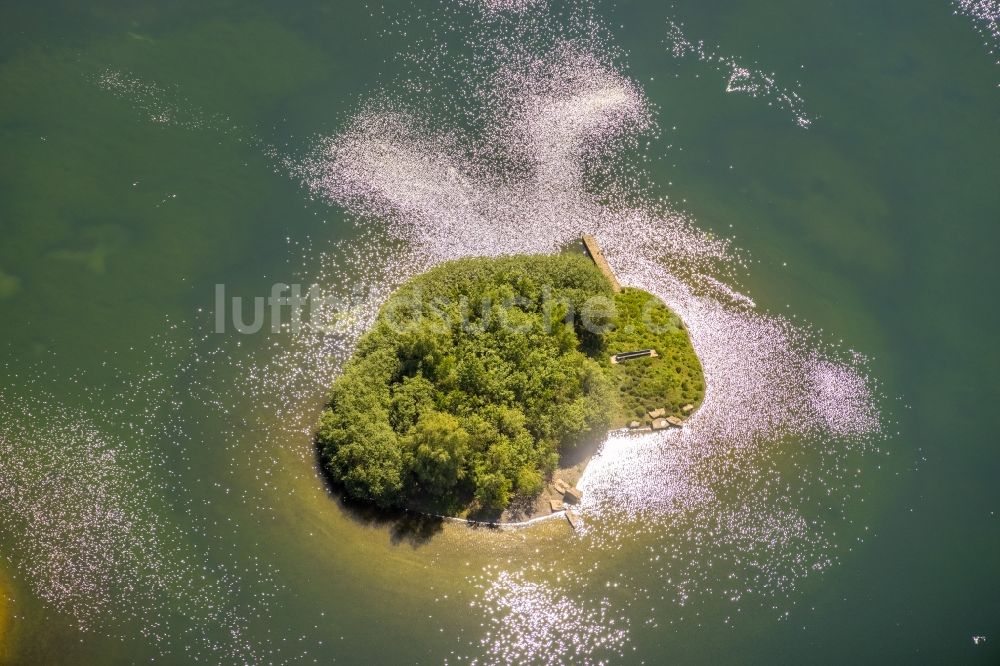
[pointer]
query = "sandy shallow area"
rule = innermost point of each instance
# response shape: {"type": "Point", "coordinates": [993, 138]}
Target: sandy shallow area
{"type": "Point", "coordinates": [6, 619]}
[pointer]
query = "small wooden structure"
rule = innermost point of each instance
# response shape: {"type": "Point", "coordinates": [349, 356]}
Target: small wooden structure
{"type": "Point", "coordinates": [621, 357]}
{"type": "Point", "coordinates": [594, 251]}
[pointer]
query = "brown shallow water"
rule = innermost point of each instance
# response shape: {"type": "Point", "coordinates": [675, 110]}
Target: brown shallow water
{"type": "Point", "coordinates": [6, 617]}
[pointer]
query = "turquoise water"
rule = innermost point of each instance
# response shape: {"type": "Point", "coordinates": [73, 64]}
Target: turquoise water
{"type": "Point", "coordinates": [150, 153]}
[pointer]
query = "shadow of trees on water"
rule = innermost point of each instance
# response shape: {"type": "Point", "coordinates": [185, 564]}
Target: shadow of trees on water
{"type": "Point", "coordinates": [417, 528]}
{"type": "Point", "coordinates": [410, 527]}
{"type": "Point", "coordinates": [405, 526]}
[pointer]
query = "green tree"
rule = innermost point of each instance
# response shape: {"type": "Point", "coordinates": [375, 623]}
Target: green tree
{"type": "Point", "coordinates": [371, 466]}
{"type": "Point", "coordinates": [493, 490]}
{"type": "Point", "coordinates": [440, 448]}
{"type": "Point", "coordinates": [411, 397]}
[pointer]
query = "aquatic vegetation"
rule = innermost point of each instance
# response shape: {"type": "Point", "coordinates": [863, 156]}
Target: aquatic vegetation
{"type": "Point", "coordinates": [9, 284]}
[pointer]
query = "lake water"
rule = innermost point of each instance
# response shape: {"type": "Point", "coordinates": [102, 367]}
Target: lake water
{"type": "Point", "coordinates": [813, 187]}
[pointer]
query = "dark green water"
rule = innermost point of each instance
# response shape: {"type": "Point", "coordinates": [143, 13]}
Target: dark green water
{"type": "Point", "coordinates": [119, 212]}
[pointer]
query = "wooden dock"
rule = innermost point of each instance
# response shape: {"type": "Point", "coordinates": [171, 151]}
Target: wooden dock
{"type": "Point", "coordinates": [594, 250]}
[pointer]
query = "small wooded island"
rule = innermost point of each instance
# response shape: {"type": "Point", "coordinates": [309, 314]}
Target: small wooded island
{"type": "Point", "coordinates": [480, 373]}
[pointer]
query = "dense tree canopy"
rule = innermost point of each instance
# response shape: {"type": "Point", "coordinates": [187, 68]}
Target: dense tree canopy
{"type": "Point", "coordinates": [475, 376]}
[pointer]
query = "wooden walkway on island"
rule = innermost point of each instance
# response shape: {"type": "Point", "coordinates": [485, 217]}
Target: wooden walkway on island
{"type": "Point", "coordinates": [594, 251]}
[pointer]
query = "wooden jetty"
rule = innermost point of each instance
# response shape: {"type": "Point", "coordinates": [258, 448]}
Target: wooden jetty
{"type": "Point", "coordinates": [594, 251]}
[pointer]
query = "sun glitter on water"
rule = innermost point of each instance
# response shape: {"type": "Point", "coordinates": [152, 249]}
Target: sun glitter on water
{"type": "Point", "coordinates": [504, 163]}
{"type": "Point", "coordinates": [550, 111]}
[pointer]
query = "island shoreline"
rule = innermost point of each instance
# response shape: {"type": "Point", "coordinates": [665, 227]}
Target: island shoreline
{"type": "Point", "coordinates": [559, 494]}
